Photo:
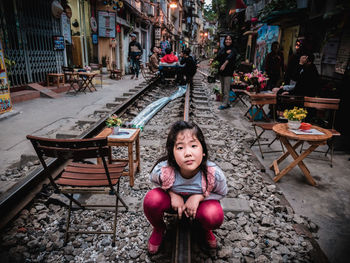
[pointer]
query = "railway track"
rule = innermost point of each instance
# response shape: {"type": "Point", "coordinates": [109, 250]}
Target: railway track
{"type": "Point", "coordinates": [243, 236]}
{"type": "Point", "coordinates": [17, 197]}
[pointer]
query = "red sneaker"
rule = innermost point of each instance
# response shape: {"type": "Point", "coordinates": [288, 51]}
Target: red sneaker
{"type": "Point", "coordinates": [155, 240]}
{"type": "Point", "coordinates": [210, 238]}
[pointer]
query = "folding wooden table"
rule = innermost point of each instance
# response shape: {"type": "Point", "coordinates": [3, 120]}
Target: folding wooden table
{"type": "Point", "coordinates": [285, 135]}
{"type": "Point", "coordinates": [87, 78]}
{"type": "Point", "coordinates": [258, 101]}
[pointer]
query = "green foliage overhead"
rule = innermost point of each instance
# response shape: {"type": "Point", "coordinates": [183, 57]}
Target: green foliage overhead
{"type": "Point", "coordinates": [277, 5]}
{"type": "Point", "coordinates": [209, 13]}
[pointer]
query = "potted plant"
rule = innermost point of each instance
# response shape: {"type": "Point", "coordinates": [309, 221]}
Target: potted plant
{"type": "Point", "coordinates": [253, 82]}
{"type": "Point", "coordinates": [294, 117]}
{"type": "Point", "coordinates": [114, 122]}
{"type": "Point", "coordinates": [217, 92]}
{"type": "Point", "coordinates": [104, 65]}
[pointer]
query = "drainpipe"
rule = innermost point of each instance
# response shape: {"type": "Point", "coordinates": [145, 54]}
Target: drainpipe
{"type": "Point", "coordinates": [82, 22]}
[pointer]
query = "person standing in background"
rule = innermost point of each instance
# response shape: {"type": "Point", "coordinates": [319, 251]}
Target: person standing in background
{"type": "Point", "coordinates": [164, 44]}
{"type": "Point", "coordinates": [227, 59]}
{"type": "Point", "coordinates": [134, 55]}
{"type": "Point", "coordinates": [274, 66]}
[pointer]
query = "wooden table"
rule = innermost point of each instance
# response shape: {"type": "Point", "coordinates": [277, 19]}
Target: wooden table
{"type": "Point", "coordinates": [134, 164]}
{"type": "Point", "coordinates": [240, 94]}
{"type": "Point", "coordinates": [258, 101]}
{"type": "Point", "coordinates": [87, 78]}
{"type": "Point", "coordinates": [58, 76]}
{"type": "Point", "coordinates": [285, 135]}
{"type": "Point", "coordinates": [72, 78]}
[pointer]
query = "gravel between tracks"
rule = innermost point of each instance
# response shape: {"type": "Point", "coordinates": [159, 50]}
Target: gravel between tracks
{"type": "Point", "coordinates": [267, 234]}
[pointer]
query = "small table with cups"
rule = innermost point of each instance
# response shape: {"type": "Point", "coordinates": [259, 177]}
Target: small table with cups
{"type": "Point", "coordinates": [126, 137]}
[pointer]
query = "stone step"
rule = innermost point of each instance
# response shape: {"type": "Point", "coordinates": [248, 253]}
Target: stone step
{"type": "Point", "coordinates": [216, 143]}
{"type": "Point", "coordinates": [120, 99]}
{"type": "Point", "coordinates": [24, 95]}
{"type": "Point", "coordinates": [67, 134]}
{"type": "Point", "coordinates": [86, 121]}
{"type": "Point", "coordinates": [199, 97]}
{"type": "Point", "coordinates": [235, 205]}
{"type": "Point", "coordinates": [205, 116]}
{"type": "Point", "coordinates": [102, 111]}
{"type": "Point", "coordinates": [203, 102]}
{"type": "Point", "coordinates": [203, 108]}
{"type": "Point", "coordinates": [112, 105]}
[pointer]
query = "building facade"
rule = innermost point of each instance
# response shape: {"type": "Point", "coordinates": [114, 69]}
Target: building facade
{"type": "Point", "coordinates": [42, 36]}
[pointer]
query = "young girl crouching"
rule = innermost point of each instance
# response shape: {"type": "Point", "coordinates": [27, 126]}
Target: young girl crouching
{"type": "Point", "coordinates": [187, 183]}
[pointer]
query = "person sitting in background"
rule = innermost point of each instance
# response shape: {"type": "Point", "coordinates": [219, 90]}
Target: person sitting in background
{"type": "Point", "coordinates": [307, 79]}
{"type": "Point", "coordinates": [189, 66]}
{"type": "Point", "coordinates": [169, 57]}
{"type": "Point", "coordinates": [154, 59]}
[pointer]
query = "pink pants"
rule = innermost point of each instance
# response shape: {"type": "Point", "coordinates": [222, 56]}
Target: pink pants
{"type": "Point", "coordinates": [157, 201]}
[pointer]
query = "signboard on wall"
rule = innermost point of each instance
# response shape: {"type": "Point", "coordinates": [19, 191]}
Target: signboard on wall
{"type": "Point", "coordinates": [94, 39]}
{"type": "Point", "coordinates": [65, 26]}
{"type": "Point", "coordinates": [58, 42]}
{"type": "Point", "coordinates": [266, 35]}
{"type": "Point", "coordinates": [5, 99]}
{"type": "Point", "coordinates": [106, 24]}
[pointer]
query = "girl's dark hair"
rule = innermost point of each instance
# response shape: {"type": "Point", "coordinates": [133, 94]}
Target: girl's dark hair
{"type": "Point", "coordinates": [175, 129]}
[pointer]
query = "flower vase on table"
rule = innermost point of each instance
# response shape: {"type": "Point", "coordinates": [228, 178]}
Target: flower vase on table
{"type": "Point", "coordinates": [114, 123]}
{"type": "Point", "coordinates": [294, 125]}
{"type": "Point", "coordinates": [116, 130]}
{"type": "Point", "coordinates": [294, 117]}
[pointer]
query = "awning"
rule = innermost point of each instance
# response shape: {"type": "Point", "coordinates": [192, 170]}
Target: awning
{"type": "Point", "coordinates": [285, 17]}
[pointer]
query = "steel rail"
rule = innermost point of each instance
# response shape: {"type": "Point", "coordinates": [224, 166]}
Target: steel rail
{"type": "Point", "coordinates": [16, 198]}
{"type": "Point", "coordinates": [187, 104]}
{"type": "Point", "coordinates": [182, 244]}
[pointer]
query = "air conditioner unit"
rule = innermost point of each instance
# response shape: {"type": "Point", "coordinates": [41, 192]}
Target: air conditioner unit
{"type": "Point", "coordinates": [150, 10]}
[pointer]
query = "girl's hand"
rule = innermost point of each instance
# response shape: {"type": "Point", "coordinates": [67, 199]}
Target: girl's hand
{"type": "Point", "coordinates": [228, 51]}
{"type": "Point", "coordinates": [191, 205]}
{"type": "Point", "coordinates": [177, 203]}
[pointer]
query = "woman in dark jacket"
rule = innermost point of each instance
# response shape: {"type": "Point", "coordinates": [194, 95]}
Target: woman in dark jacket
{"type": "Point", "coordinates": [227, 58]}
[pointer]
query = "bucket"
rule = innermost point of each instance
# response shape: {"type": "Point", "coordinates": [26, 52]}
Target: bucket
{"type": "Point", "coordinates": [258, 116]}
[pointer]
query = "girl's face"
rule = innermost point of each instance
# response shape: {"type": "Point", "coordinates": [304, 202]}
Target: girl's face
{"type": "Point", "coordinates": [228, 41]}
{"type": "Point", "coordinates": [188, 153]}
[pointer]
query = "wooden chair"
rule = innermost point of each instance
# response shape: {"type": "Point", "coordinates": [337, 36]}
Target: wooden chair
{"type": "Point", "coordinates": [97, 67]}
{"type": "Point", "coordinates": [266, 126]}
{"type": "Point", "coordinates": [114, 72]}
{"type": "Point", "coordinates": [326, 105]}
{"type": "Point", "coordinates": [289, 102]}
{"type": "Point", "coordinates": [67, 70]}
{"type": "Point", "coordinates": [79, 177]}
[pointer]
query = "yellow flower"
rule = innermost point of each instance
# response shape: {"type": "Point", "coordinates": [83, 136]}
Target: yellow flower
{"type": "Point", "coordinates": [295, 114]}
